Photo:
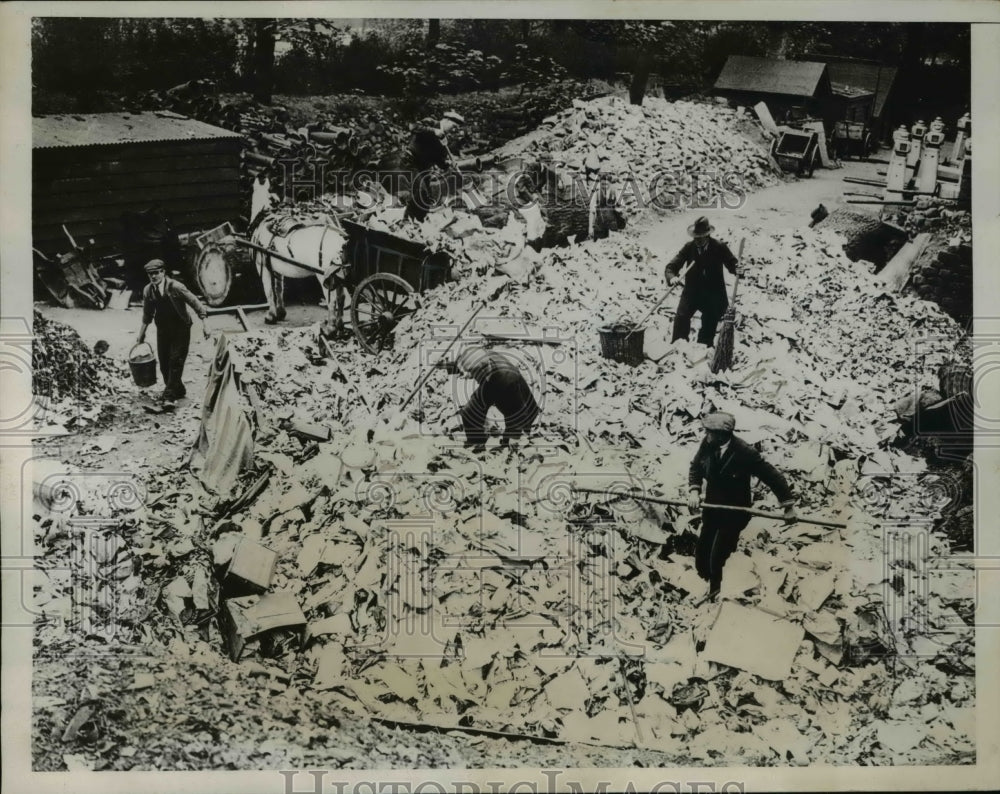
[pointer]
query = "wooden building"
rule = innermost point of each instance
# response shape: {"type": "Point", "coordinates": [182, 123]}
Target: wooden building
{"type": "Point", "coordinates": [876, 80]}
{"type": "Point", "coordinates": [852, 103]}
{"type": "Point", "coordinates": [790, 89]}
{"type": "Point", "coordinates": [88, 170]}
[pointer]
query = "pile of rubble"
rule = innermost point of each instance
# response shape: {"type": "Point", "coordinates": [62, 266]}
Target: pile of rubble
{"type": "Point", "coordinates": [494, 118]}
{"type": "Point", "coordinates": [436, 585]}
{"type": "Point", "coordinates": [64, 369]}
{"type": "Point", "coordinates": [473, 247]}
{"type": "Point", "coordinates": [936, 215]}
{"type": "Point", "coordinates": [943, 273]}
{"type": "Point", "coordinates": [660, 152]}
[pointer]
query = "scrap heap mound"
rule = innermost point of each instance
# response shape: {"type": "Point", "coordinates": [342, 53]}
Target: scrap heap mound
{"type": "Point", "coordinates": [661, 148]}
{"type": "Point", "coordinates": [64, 369]}
{"type": "Point", "coordinates": [943, 273]}
{"type": "Point", "coordinates": [479, 592]}
{"type": "Point", "coordinates": [865, 236]}
{"type": "Point", "coordinates": [474, 248]}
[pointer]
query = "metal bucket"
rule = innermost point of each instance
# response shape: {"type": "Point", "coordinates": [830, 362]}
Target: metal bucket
{"type": "Point", "coordinates": [617, 345]}
{"type": "Point", "coordinates": [143, 366]}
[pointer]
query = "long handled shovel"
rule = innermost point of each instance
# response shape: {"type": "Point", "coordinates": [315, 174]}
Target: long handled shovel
{"type": "Point", "coordinates": [659, 303]}
{"type": "Point", "coordinates": [815, 520]}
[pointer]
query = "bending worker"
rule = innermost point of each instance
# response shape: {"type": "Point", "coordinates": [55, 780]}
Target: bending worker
{"type": "Point", "coordinates": [166, 301]}
{"type": "Point", "coordinates": [704, 286]}
{"type": "Point", "coordinates": [725, 464]}
{"type": "Point", "coordinates": [500, 385]}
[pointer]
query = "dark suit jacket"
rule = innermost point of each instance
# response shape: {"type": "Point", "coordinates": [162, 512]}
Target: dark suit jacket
{"type": "Point", "coordinates": [728, 479]}
{"type": "Point", "coordinates": [427, 150]}
{"type": "Point", "coordinates": [502, 385]}
{"type": "Point", "coordinates": [704, 283]}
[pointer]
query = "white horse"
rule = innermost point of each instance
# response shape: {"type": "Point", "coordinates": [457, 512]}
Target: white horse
{"type": "Point", "coordinates": [319, 247]}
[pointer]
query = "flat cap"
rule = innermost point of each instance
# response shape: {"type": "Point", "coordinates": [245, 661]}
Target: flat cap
{"type": "Point", "coordinates": [451, 115]}
{"type": "Point", "coordinates": [153, 265]}
{"type": "Point", "coordinates": [719, 420]}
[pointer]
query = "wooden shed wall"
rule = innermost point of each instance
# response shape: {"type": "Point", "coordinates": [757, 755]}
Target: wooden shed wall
{"type": "Point", "coordinates": [89, 187]}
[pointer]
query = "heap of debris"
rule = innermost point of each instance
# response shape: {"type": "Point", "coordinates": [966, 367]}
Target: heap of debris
{"type": "Point", "coordinates": [936, 215]}
{"type": "Point", "coordinates": [327, 555]}
{"type": "Point", "coordinates": [668, 150]}
{"type": "Point", "coordinates": [943, 273]}
{"type": "Point", "coordinates": [63, 368]}
{"type": "Point", "coordinates": [866, 237]}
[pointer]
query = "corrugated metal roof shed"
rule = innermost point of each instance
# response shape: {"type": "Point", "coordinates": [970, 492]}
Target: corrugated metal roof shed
{"type": "Point", "coordinates": [767, 75]}
{"type": "Point", "coordinates": [103, 129]}
{"type": "Point", "coordinates": [90, 171]}
{"type": "Point", "coordinates": [865, 75]}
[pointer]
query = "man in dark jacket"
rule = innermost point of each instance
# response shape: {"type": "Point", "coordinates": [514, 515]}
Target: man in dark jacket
{"type": "Point", "coordinates": [500, 385]}
{"type": "Point", "coordinates": [704, 286]}
{"type": "Point", "coordinates": [429, 158]}
{"type": "Point", "coordinates": [165, 301]}
{"type": "Point", "coordinates": [725, 464]}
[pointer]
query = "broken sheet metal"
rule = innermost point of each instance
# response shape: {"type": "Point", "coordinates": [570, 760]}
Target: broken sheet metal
{"type": "Point", "coordinates": [252, 617]}
{"type": "Point", "coordinates": [498, 577]}
{"type": "Point", "coordinates": [752, 640]}
{"type": "Point", "coordinates": [224, 447]}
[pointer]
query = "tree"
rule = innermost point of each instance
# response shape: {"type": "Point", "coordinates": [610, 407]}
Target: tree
{"type": "Point", "coordinates": [262, 59]}
{"type": "Point", "coordinates": [433, 33]}
{"type": "Point", "coordinates": [648, 42]}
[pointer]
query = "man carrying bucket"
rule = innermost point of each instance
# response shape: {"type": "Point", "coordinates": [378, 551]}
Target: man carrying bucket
{"type": "Point", "coordinates": [704, 286]}
{"type": "Point", "coordinates": [166, 301]}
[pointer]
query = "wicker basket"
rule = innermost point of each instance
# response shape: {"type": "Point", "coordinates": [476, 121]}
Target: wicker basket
{"type": "Point", "coordinates": [617, 345]}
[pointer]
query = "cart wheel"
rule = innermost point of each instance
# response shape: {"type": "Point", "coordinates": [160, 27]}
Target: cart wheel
{"type": "Point", "coordinates": [213, 272]}
{"type": "Point", "coordinates": [377, 306]}
{"type": "Point", "coordinates": [866, 149]}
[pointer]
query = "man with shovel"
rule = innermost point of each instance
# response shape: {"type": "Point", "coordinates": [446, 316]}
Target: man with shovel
{"type": "Point", "coordinates": [429, 159]}
{"type": "Point", "coordinates": [725, 464]}
{"type": "Point", "coordinates": [704, 286]}
{"type": "Point", "coordinates": [165, 301]}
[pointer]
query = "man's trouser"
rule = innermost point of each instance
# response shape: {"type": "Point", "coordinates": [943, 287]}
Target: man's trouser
{"type": "Point", "coordinates": [516, 423]}
{"type": "Point", "coordinates": [720, 533]}
{"type": "Point", "coordinates": [172, 342]}
{"type": "Point", "coordinates": [711, 313]}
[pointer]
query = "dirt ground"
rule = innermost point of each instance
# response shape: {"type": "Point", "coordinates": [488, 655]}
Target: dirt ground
{"type": "Point", "coordinates": [163, 699]}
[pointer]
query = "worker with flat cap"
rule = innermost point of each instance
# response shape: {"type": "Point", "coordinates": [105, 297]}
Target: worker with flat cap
{"type": "Point", "coordinates": [165, 300]}
{"type": "Point", "coordinates": [704, 285]}
{"type": "Point", "coordinates": [500, 385]}
{"type": "Point", "coordinates": [726, 464]}
{"type": "Point", "coordinates": [429, 158]}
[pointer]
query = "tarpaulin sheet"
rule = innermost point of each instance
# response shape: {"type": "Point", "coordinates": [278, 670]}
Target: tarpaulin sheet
{"type": "Point", "coordinates": [225, 439]}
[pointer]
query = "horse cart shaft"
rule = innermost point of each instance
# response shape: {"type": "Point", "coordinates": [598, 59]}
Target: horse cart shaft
{"type": "Point", "coordinates": [246, 243]}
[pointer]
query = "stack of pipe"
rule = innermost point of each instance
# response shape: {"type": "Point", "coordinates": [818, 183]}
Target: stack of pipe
{"type": "Point", "coordinates": [274, 147]}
